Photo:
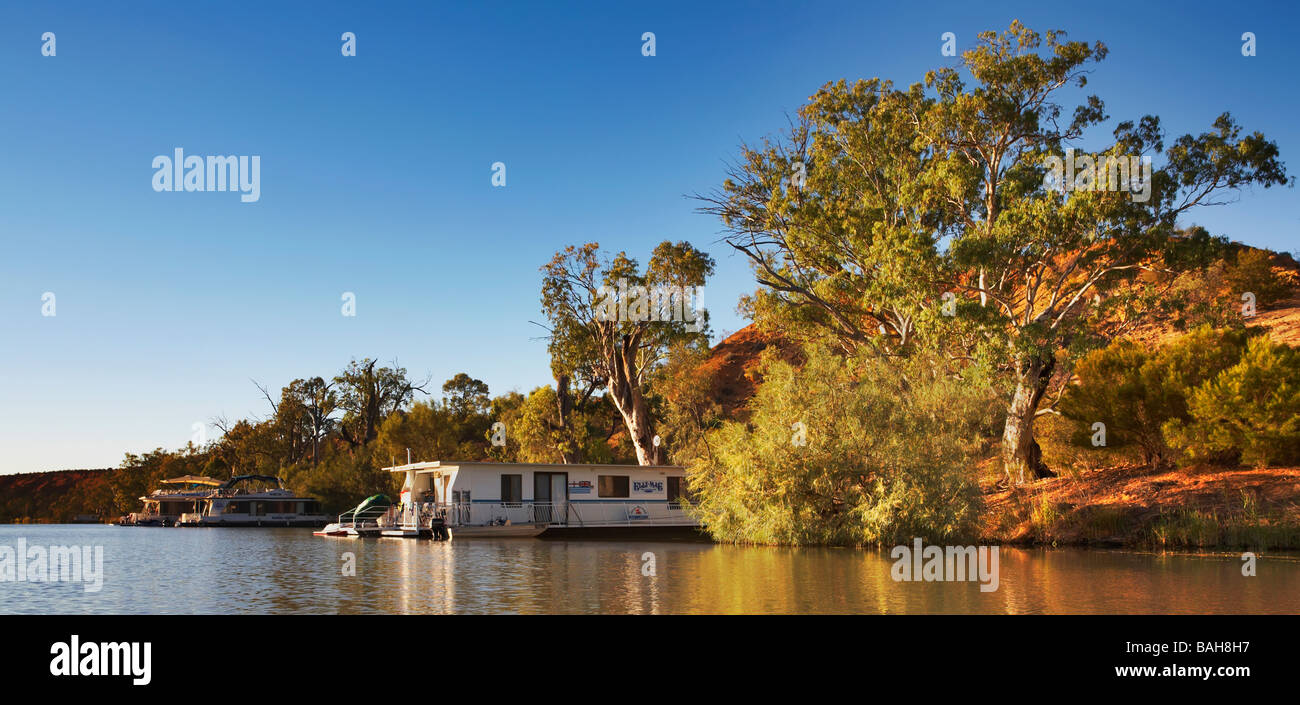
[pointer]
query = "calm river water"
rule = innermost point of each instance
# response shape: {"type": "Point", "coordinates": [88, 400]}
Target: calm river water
{"type": "Point", "coordinates": [170, 571]}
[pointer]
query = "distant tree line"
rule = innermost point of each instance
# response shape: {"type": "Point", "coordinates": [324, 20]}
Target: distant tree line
{"type": "Point", "coordinates": [331, 437]}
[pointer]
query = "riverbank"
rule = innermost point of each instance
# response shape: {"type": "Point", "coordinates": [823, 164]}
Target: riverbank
{"type": "Point", "coordinates": [56, 497]}
{"type": "Point", "coordinates": [1197, 507]}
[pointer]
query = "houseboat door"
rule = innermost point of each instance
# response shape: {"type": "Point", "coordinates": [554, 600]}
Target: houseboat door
{"type": "Point", "coordinates": [551, 496]}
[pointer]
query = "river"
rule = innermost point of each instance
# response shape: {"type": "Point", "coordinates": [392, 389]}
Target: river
{"type": "Point", "coordinates": [282, 571]}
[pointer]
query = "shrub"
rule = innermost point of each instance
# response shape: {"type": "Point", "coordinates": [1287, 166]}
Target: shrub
{"type": "Point", "coordinates": [1196, 358]}
{"type": "Point", "coordinates": [1251, 408]}
{"type": "Point", "coordinates": [1114, 389]}
{"type": "Point", "coordinates": [1253, 272]}
{"type": "Point", "coordinates": [887, 454]}
{"type": "Point", "coordinates": [1135, 392]}
{"type": "Point", "coordinates": [344, 477]}
{"type": "Point", "coordinates": [1208, 290]}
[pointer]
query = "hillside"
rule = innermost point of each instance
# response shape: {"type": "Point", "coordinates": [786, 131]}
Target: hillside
{"type": "Point", "coordinates": [732, 364]}
{"type": "Point", "coordinates": [1193, 507]}
{"type": "Point", "coordinates": [1281, 319]}
{"type": "Point", "coordinates": [54, 497]}
{"type": "Point", "coordinates": [1187, 507]}
{"type": "Point", "coordinates": [731, 369]}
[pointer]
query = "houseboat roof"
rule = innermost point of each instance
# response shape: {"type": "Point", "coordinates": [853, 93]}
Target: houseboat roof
{"type": "Point", "coordinates": [249, 478]}
{"type": "Point", "coordinates": [193, 480]}
{"type": "Point", "coordinates": [436, 465]}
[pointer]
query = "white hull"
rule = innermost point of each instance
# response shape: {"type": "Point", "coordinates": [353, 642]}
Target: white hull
{"type": "Point", "coordinates": [352, 532]}
{"type": "Point", "coordinates": [400, 533]}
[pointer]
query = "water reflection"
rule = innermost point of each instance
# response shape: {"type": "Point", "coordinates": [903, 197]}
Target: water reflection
{"type": "Point", "coordinates": [290, 571]}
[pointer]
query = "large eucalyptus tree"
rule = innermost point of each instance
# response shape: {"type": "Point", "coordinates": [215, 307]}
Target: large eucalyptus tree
{"type": "Point", "coordinates": [612, 323]}
{"type": "Point", "coordinates": [883, 209]}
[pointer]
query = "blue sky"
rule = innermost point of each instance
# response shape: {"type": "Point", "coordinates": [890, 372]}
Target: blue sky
{"type": "Point", "coordinates": [376, 169]}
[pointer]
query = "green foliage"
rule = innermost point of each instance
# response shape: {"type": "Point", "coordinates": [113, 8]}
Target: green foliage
{"type": "Point", "coordinates": [1134, 392]}
{"type": "Point", "coordinates": [430, 431]}
{"type": "Point", "coordinates": [1251, 408]}
{"type": "Point", "coordinates": [1253, 273]}
{"type": "Point", "coordinates": [1210, 292]}
{"type": "Point", "coordinates": [367, 395]}
{"type": "Point", "coordinates": [688, 408]}
{"type": "Point", "coordinates": [1193, 528]}
{"type": "Point", "coordinates": [941, 189]}
{"type": "Point", "coordinates": [534, 433]}
{"type": "Point", "coordinates": [1195, 358]}
{"type": "Point", "coordinates": [1214, 395]}
{"type": "Point", "coordinates": [1045, 516]}
{"type": "Point", "coordinates": [344, 478]}
{"type": "Point", "coordinates": [1199, 298]}
{"type": "Point", "coordinates": [465, 396]}
{"type": "Point", "coordinates": [888, 455]}
{"type": "Point", "coordinates": [534, 429]}
{"type": "Point", "coordinates": [1114, 389]}
{"type": "Point", "coordinates": [612, 323]}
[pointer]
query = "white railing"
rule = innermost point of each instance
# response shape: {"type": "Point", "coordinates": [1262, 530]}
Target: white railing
{"type": "Point", "coordinates": [576, 514]}
{"type": "Point", "coordinates": [374, 518]}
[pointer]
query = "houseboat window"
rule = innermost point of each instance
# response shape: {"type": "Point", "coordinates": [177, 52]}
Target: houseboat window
{"type": "Point", "coordinates": [676, 489]}
{"type": "Point", "coordinates": [612, 485]}
{"type": "Point", "coordinates": [237, 507]}
{"type": "Point", "coordinates": [512, 489]}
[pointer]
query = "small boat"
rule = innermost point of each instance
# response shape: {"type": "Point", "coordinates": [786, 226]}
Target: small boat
{"type": "Point", "coordinates": [345, 530]}
{"type": "Point", "coordinates": [365, 519]}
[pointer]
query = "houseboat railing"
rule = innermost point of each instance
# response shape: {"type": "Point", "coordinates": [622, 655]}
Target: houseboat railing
{"type": "Point", "coordinates": [590, 513]}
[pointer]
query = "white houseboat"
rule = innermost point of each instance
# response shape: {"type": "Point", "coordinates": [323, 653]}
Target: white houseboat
{"type": "Point", "coordinates": [255, 500]}
{"type": "Point", "coordinates": [245, 500]}
{"type": "Point", "coordinates": [531, 499]}
{"type": "Point", "coordinates": [164, 506]}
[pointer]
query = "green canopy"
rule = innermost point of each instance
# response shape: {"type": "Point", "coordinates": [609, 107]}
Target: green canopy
{"type": "Point", "coordinates": [373, 505]}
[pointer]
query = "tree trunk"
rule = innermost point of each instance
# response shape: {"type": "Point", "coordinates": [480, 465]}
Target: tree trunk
{"type": "Point", "coordinates": [642, 437]}
{"type": "Point", "coordinates": [632, 407]}
{"type": "Point", "coordinates": [564, 408]}
{"type": "Point", "coordinates": [1021, 455]}
{"type": "Point", "coordinates": [630, 401]}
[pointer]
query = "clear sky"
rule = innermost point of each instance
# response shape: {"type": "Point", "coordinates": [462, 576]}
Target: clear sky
{"type": "Point", "coordinates": [376, 174]}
